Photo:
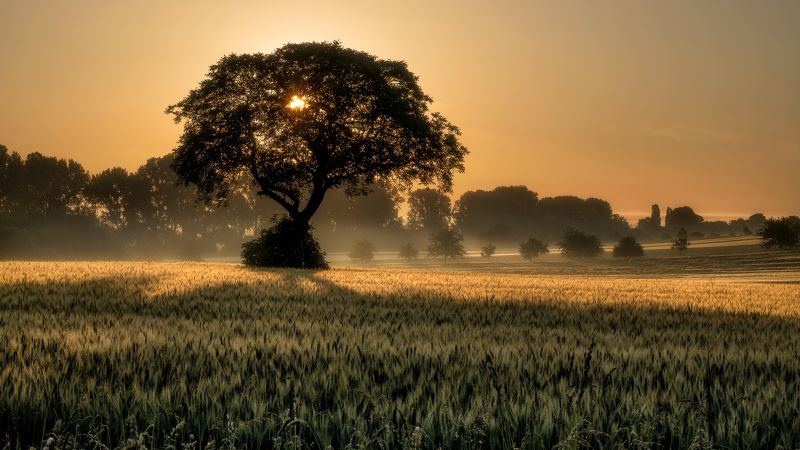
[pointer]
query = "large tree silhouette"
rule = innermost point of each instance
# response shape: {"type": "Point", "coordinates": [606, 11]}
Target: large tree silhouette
{"type": "Point", "coordinates": [308, 118]}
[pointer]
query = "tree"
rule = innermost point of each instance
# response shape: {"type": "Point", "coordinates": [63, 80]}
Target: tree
{"type": "Point", "coordinates": [532, 248]}
{"type": "Point", "coordinates": [446, 243]}
{"type": "Point", "coordinates": [682, 242]}
{"type": "Point", "coordinates": [682, 217]}
{"type": "Point", "coordinates": [119, 197]}
{"type": "Point", "coordinates": [429, 210]}
{"type": "Point", "coordinates": [628, 247]}
{"type": "Point", "coordinates": [308, 118]}
{"type": "Point", "coordinates": [53, 188]}
{"type": "Point", "coordinates": [376, 210]}
{"type": "Point", "coordinates": [363, 251]}
{"type": "Point", "coordinates": [782, 232]}
{"type": "Point", "coordinates": [578, 244]}
{"type": "Point", "coordinates": [496, 214]}
{"type": "Point", "coordinates": [488, 250]}
{"type": "Point", "coordinates": [408, 252]}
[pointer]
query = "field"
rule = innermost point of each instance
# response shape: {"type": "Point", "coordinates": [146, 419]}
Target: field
{"type": "Point", "coordinates": [699, 351]}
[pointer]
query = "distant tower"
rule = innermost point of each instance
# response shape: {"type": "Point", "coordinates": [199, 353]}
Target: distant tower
{"type": "Point", "coordinates": [655, 216]}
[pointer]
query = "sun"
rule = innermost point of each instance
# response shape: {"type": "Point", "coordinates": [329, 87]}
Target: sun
{"type": "Point", "coordinates": [297, 102]}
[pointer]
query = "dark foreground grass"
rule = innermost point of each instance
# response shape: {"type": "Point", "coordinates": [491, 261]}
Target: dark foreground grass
{"type": "Point", "coordinates": [295, 361]}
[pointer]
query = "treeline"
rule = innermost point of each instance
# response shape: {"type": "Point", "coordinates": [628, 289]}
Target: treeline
{"type": "Point", "coordinates": [53, 208]}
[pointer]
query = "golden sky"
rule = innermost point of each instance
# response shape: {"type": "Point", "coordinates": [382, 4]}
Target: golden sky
{"type": "Point", "coordinates": [675, 102]}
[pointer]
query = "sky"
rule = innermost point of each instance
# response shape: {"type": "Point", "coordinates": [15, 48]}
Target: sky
{"type": "Point", "coordinates": [676, 103]}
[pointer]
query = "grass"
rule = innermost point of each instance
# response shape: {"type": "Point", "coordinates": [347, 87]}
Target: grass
{"type": "Point", "coordinates": [157, 355]}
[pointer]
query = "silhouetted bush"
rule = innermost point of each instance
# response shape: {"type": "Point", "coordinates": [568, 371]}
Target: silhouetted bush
{"type": "Point", "coordinates": [285, 244]}
{"type": "Point", "coordinates": [363, 251]}
{"type": "Point", "coordinates": [782, 232]}
{"type": "Point", "coordinates": [628, 248]}
{"type": "Point", "coordinates": [488, 250]}
{"type": "Point", "coordinates": [532, 248]}
{"type": "Point", "coordinates": [579, 244]}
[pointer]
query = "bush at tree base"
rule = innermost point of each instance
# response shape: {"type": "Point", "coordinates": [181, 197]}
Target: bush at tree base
{"type": "Point", "coordinates": [285, 244]}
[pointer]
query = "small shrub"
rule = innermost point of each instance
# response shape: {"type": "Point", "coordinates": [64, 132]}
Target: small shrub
{"type": "Point", "coordinates": [579, 244]}
{"type": "Point", "coordinates": [628, 247]}
{"type": "Point", "coordinates": [532, 248]}
{"type": "Point", "coordinates": [488, 250]}
{"type": "Point", "coordinates": [285, 244]}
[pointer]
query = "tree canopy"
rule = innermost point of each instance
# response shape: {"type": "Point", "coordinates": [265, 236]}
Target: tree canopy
{"type": "Point", "coordinates": [532, 248]}
{"type": "Point", "coordinates": [628, 247]}
{"type": "Point", "coordinates": [308, 118]}
{"type": "Point", "coordinates": [429, 210]}
{"type": "Point", "coordinates": [782, 232]}
{"type": "Point", "coordinates": [576, 243]}
{"type": "Point", "coordinates": [446, 243]}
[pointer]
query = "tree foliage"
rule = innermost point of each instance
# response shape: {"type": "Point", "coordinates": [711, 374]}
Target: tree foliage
{"type": "Point", "coordinates": [578, 244]}
{"type": "Point", "coordinates": [285, 244]}
{"type": "Point", "coordinates": [682, 217]}
{"type": "Point", "coordinates": [782, 232]}
{"type": "Point", "coordinates": [362, 119]}
{"type": "Point", "coordinates": [487, 251]}
{"type": "Point", "coordinates": [628, 247]}
{"type": "Point", "coordinates": [532, 248]}
{"type": "Point", "coordinates": [429, 210]}
{"type": "Point", "coordinates": [446, 243]}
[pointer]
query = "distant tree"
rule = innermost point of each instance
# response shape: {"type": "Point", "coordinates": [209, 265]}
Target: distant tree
{"type": "Point", "coordinates": [747, 231]}
{"type": "Point", "coordinates": [306, 119]}
{"type": "Point", "coordinates": [682, 242]}
{"type": "Point", "coordinates": [575, 209]}
{"type": "Point", "coordinates": [52, 187]}
{"type": "Point", "coordinates": [628, 247]}
{"type": "Point", "coordinates": [782, 232]}
{"type": "Point", "coordinates": [11, 181]}
{"type": "Point", "coordinates": [446, 243]}
{"type": "Point", "coordinates": [120, 198]}
{"type": "Point", "coordinates": [497, 214]}
{"type": "Point", "coordinates": [376, 210]}
{"type": "Point", "coordinates": [651, 224]}
{"type": "Point", "coordinates": [756, 221]}
{"type": "Point", "coordinates": [408, 252]}
{"type": "Point", "coordinates": [429, 210]}
{"type": "Point", "coordinates": [487, 251]}
{"type": "Point", "coordinates": [576, 243]}
{"type": "Point", "coordinates": [363, 251]}
{"type": "Point", "coordinates": [682, 217]}
{"type": "Point", "coordinates": [532, 248]}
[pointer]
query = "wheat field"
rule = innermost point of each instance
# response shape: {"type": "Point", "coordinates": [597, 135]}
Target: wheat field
{"type": "Point", "coordinates": [201, 355]}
